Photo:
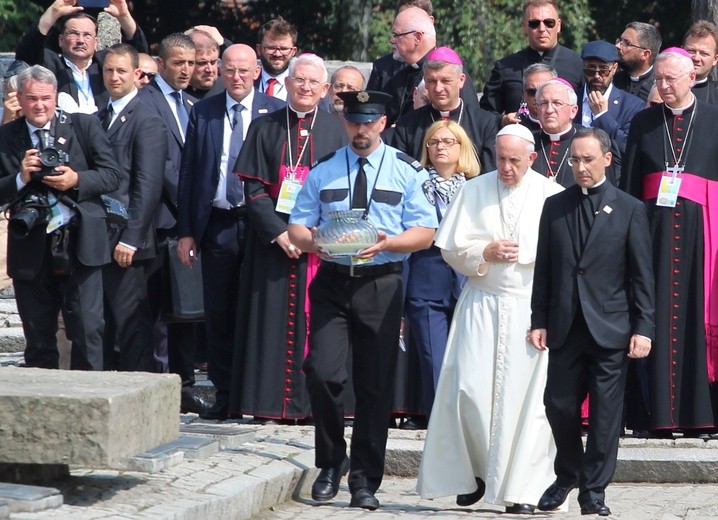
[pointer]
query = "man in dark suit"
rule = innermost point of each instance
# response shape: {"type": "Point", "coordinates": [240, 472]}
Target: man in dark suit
{"type": "Point", "coordinates": [55, 258]}
{"type": "Point", "coordinates": [211, 209]}
{"type": "Point", "coordinates": [139, 141]}
{"type": "Point", "coordinates": [638, 46]}
{"type": "Point", "coordinates": [79, 68]}
{"type": "Point", "coordinates": [701, 41]}
{"type": "Point", "coordinates": [604, 106]}
{"type": "Point", "coordinates": [542, 25]}
{"type": "Point", "coordinates": [165, 96]}
{"type": "Point", "coordinates": [592, 306]}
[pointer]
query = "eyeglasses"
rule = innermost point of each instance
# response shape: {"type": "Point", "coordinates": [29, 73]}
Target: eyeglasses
{"type": "Point", "coordinates": [550, 23]}
{"type": "Point", "coordinates": [667, 80]}
{"type": "Point", "coordinates": [447, 142]}
{"type": "Point", "coordinates": [313, 84]}
{"type": "Point", "coordinates": [601, 71]}
{"type": "Point", "coordinates": [230, 73]}
{"type": "Point", "coordinates": [577, 161]}
{"type": "Point", "coordinates": [558, 105]}
{"type": "Point", "coordinates": [624, 43]}
{"type": "Point", "coordinates": [531, 91]}
{"type": "Point", "coordinates": [345, 87]}
{"type": "Point", "coordinates": [149, 75]}
{"type": "Point", "coordinates": [395, 36]}
{"type": "Point", "coordinates": [79, 36]}
{"type": "Point", "coordinates": [274, 50]}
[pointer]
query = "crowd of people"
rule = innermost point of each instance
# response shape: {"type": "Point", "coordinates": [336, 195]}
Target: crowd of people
{"type": "Point", "coordinates": [543, 266]}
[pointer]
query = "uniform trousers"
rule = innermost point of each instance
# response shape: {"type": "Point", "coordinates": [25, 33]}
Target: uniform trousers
{"type": "Point", "coordinates": [363, 312]}
{"type": "Point", "coordinates": [79, 297]}
{"type": "Point", "coordinates": [578, 367]}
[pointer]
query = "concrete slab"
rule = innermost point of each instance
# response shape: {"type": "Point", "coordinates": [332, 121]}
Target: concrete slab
{"type": "Point", "coordinates": [87, 419]}
{"type": "Point", "coordinates": [228, 437]}
{"type": "Point", "coordinates": [22, 499]}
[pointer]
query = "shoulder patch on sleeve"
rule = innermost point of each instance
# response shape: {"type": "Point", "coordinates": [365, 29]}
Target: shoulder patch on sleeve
{"type": "Point", "coordinates": [323, 159]}
{"type": "Point", "coordinates": [410, 161]}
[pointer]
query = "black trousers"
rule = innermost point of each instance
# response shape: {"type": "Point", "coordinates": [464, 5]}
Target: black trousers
{"type": "Point", "coordinates": [581, 366]}
{"type": "Point", "coordinates": [364, 313]}
{"type": "Point", "coordinates": [222, 252]}
{"type": "Point", "coordinates": [128, 318]}
{"type": "Point", "coordinates": [79, 297]}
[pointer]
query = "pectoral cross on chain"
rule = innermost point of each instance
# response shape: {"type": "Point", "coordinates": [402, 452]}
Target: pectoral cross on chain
{"type": "Point", "coordinates": [674, 170]}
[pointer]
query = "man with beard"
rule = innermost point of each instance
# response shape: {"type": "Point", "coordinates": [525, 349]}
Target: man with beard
{"type": "Point", "coordinates": [78, 68]}
{"type": "Point", "coordinates": [542, 25]}
{"type": "Point", "coordinates": [357, 302]}
{"type": "Point", "coordinates": [444, 77]}
{"type": "Point", "coordinates": [557, 106]}
{"type": "Point", "coordinates": [604, 106]}
{"type": "Point", "coordinates": [638, 47]}
{"type": "Point", "coordinates": [412, 37]}
{"type": "Point", "coordinates": [277, 46]}
{"type": "Point", "coordinates": [671, 161]}
{"type": "Point", "coordinates": [701, 42]}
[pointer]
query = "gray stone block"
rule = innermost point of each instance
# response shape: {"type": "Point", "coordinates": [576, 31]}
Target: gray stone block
{"type": "Point", "coordinates": [228, 437]}
{"type": "Point", "coordinates": [12, 339]}
{"type": "Point", "coordinates": [29, 499]}
{"type": "Point", "coordinates": [403, 457]}
{"type": "Point", "coordinates": [667, 465]}
{"type": "Point", "coordinates": [146, 463]}
{"type": "Point", "coordinates": [87, 419]}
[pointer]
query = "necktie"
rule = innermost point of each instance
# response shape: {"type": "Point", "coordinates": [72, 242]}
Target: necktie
{"type": "Point", "coordinates": [181, 111]}
{"type": "Point", "coordinates": [42, 136]}
{"type": "Point", "coordinates": [359, 197]}
{"type": "Point", "coordinates": [234, 186]}
{"type": "Point", "coordinates": [107, 119]}
{"type": "Point", "coordinates": [271, 82]}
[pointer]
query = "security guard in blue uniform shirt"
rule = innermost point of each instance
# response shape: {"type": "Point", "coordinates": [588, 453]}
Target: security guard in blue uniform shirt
{"type": "Point", "coordinates": [360, 304]}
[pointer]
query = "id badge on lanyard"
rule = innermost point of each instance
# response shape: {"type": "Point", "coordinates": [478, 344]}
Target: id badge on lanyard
{"type": "Point", "coordinates": [292, 180]}
{"type": "Point", "coordinates": [669, 188]}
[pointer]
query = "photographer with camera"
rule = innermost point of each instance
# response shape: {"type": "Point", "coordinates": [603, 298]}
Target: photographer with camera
{"type": "Point", "coordinates": [53, 169]}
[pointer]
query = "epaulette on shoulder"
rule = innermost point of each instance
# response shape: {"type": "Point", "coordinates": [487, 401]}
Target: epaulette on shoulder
{"type": "Point", "coordinates": [410, 161]}
{"type": "Point", "coordinates": [324, 159]}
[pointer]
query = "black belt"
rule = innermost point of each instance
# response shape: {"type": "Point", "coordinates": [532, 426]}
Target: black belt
{"type": "Point", "coordinates": [237, 212]}
{"type": "Point", "coordinates": [359, 271]}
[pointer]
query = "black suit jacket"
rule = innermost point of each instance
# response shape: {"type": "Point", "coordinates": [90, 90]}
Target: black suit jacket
{"type": "Point", "coordinates": [152, 96]}
{"type": "Point", "coordinates": [199, 172]}
{"type": "Point", "coordinates": [32, 49]}
{"type": "Point", "coordinates": [611, 279]}
{"type": "Point", "coordinates": [139, 141]}
{"type": "Point", "coordinates": [98, 174]}
{"type": "Point", "coordinates": [503, 91]}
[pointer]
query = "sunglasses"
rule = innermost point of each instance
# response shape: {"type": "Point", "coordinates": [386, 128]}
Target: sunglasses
{"type": "Point", "coordinates": [149, 75]}
{"type": "Point", "coordinates": [531, 91]}
{"type": "Point", "coordinates": [550, 23]}
{"type": "Point", "coordinates": [603, 72]}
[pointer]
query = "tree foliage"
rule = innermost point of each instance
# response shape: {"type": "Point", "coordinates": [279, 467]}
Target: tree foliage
{"type": "Point", "coordinates": [15, 18]}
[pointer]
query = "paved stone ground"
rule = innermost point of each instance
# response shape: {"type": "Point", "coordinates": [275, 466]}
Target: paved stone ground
{"type": "Point", "coordinates": [399, 500]}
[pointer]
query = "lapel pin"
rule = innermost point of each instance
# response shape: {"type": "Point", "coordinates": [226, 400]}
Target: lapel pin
{"type": "Point", "coordinates": [615, 102]}
{"type": "Point", "coordinates": [123, 118]}
{"type": "Point", "coordinates": [61, 140]}
{"type": "Point", "coordinates": [607, 210]}
{"type": "Point", "coordinates": [262, 110]}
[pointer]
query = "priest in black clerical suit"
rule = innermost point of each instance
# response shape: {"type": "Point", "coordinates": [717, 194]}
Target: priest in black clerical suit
{"type": "Point", "coordinates": [592, 306]}
{"type": "Point", "coordinates": [682, 367]}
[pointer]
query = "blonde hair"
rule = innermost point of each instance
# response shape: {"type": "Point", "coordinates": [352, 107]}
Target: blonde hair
{"type": "Point", "coordinates": [468, 159]}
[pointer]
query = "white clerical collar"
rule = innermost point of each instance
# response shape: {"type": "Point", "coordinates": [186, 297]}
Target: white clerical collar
{"type": "Point", "coordinates": [557, 137]}
{"type": "Point", "coordinates": [300, 115]}
{"type": "Point", "coordinates": [599, 183]}
{"type": "Point", "coordinates": [637, 78]}
{"type": "Point", "coordinates": [679, 111]}
{"type": "Point", "coordinates": [700, 81]}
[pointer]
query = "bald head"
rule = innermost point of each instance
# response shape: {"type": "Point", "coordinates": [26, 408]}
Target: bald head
{"type": "Point", "coordinates": [239, 70]}
{"type": "Point", "coordinates": [413, 35]}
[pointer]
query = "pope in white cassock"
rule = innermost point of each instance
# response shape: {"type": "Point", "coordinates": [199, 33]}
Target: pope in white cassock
{"type": "Point", "coordinates": [488, 425]}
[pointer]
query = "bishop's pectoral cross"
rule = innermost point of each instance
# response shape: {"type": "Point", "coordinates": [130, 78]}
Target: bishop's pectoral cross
{"type": "Point", "coordinates": [674, 171]}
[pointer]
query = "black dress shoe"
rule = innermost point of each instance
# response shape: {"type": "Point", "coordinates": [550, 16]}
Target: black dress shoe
{"type": "Point", "coordinates": [520, 509]}
{"type": "Point", "coordinates": [595, 507]}
{"type": "Point", "coordinates": [554, 496]}
{"type": "Point", "coordinates": [326, 486]}
{"type": "Point", "coordinates": [413, 423]}
{"type": "Point", "coordinates": [219, 411]}
{"type": "Point", "coordinates": [364, 498]}
{"type": "Point", "coordinates": [471, 498]}
{"type": "Point", "coordinates": [191, 401]}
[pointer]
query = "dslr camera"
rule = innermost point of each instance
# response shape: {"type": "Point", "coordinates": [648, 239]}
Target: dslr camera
{"type": "Point", "coordinates": [32, 210]}
{"type": "Point", "coordinates": [51, 158]}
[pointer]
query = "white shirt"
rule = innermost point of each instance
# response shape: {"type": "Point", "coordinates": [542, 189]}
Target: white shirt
{"type": "Point", "coordinates": [119, 105]}
{"type": "Point", "coordinates": [85, 97]}
{"type": "Point", "coordinates": [280, 90]}
{"type": "Point", "coordinates": [168, 92]}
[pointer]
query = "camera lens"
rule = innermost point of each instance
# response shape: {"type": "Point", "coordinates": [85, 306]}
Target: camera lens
{"type": "Point", "coordinates": [22, 222]}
